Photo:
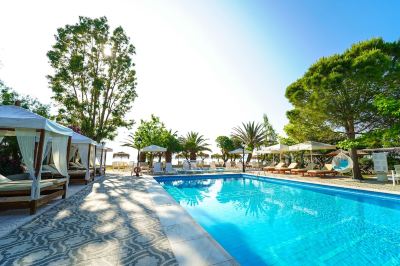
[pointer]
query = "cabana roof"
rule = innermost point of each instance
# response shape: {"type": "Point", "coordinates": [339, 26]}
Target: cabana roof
{"type": "Point", "coordinates": [12, 117]}
{"type": "Point", "coordinates": [78, 138]}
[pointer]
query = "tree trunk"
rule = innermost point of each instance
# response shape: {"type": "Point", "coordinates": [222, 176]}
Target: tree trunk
{"type": "Point", "coordinates": [168, 156]}
{"type": "Point", "coordinates": [356, 166]}
{"type": "Point", "coordinates": [193, 156]}
{"type": "Point", "coordinates": [353, 151]}
{"type": "Point", "coordinates": [151, 157]}
{"type": "Point", "coordinates": [142, 157]}
{"type": "Point", "coordinates": [249, 157]}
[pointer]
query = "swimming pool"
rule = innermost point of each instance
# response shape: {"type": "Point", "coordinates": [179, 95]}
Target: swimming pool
{"type": "Point", "coordinates": [265, 221]}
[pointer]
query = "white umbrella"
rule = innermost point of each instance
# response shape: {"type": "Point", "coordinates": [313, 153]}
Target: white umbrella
{"type": "Point", "coordinates": [311, 146]}
{"type": "Point", "coordinates": [240, 151]}
{"type": "Point", "coordinates": [277, 148]}
{"type": "Point", "coordinates": [154, 148]}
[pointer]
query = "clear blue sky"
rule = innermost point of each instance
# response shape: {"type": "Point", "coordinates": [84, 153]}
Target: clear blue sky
{"type": "Point", "coordinates": [202, 65]}
{"type": "Point", "coordinates": [300, 32]}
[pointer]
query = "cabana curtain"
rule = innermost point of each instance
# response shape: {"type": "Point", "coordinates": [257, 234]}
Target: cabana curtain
{"type": "Point", "coordinates": [83, 154]}
{"type": "Point", "coordinates": [98, 155]}
{"type": "Point", "coordinates": [47, 151]}
{"type": "Point", "coordinates": [26, 139]}
{"type": "Point", "coordinates": [92, 156]}
{"type": "Point", "coordinates": [59, 148]}
{"type": "Point", "coordinates": [26, 142]}
{"type": "Point", "coordinates": [74, 148]}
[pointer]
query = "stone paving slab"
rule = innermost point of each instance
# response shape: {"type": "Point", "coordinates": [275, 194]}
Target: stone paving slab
{"type": "Point", "coordinates": [110, 222]}
{"type": "Point", "coordinates": [12, 219]}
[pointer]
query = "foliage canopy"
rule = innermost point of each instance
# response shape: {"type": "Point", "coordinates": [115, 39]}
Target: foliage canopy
{"type": "Point", "coordinates": [336, 97]}
{"type": "Point", "coordinates": [94, 78]}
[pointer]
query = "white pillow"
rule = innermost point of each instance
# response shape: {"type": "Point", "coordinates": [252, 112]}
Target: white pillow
{"type": "Point", "coordinates": [4, 179]}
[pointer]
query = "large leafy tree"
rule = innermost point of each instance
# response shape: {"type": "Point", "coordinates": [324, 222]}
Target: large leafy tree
{"type": "Point", "coordinates": [192, 144]}
{"type": "Point", "coordinates": [389, 107]}
{"type": "Point", "coordinates": [250, 134]}
{"type": "Point", "coordinates": [226, 145]}
{"type": "Point", "coordinates": [338, 92]}
{"type": "Point", "coordinates": [154, 132]}
{"type": "Point", "coordinates": [303, 127]}
{"type": "Point", "coordinates": [149, 132]}
{"type": "Point", "coordinates": [93, 78]}
{"type": "Point", "coordinates": [169, 140]}
{"type": "Point", "coordinates": [271, 137]}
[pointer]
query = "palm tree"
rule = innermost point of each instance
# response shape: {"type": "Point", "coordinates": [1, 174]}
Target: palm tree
{"type": "Point", "coordinates": [129, 141]}
{"type": "Point", "coordinates": [216, 156]}
{"type": "Point", "coordinates": [252, 135]}
{"type": "Point", "coordinates": [194, 143]}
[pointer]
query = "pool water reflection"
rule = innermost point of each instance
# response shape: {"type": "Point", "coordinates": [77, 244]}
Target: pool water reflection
{"type": "Point", "coordinates": [264, 222]}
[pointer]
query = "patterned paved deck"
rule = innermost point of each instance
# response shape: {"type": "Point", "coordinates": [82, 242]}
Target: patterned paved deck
{"type": "Point", "coordinates": [108, 223]}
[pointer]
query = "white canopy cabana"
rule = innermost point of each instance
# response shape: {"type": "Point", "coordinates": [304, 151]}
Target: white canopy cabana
{"type": "Point", "coordinates": [101, 152]}
{"type": "Point", "coordinates": [154, 148]}
{"type": "Point", "coordinates": [13, 117]}
{"type": "Point", "coordinates": [84, 146]}
{"type": "Point", "coordinates": [27, 126]}
{"type": "Point", "coordinates": [311, 146]}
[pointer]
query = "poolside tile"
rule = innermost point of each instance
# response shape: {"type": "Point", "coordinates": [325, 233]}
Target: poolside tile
{"type": "Point", "coordinates": [228, 263]}
{"type": "Point", "coordinates": [171, 215]}
{"type": "Point", "coordinates": [182, 232]}
{"type": "Point", "coordinates": [201, 251]}
{"type": "Point", "coordinates": [162, 198]}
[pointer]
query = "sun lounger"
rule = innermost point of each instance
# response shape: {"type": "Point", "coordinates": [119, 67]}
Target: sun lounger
{"type": "Point", "coordinates": [302, 171]}
{"type": "Point", "coordinates": [194, 166]}
{"type": "Point", "coordinates": [256, 166]}
{"type": "Point", "coordinates": [157, 168]}
{"type": "Point", "coordinates": [230, 168]}
{"type": "Point", "coordinates": [283, 170]}
{"type": "Point", "coordinates": [328, 170]}
{"type": "Point", "coordinates": [169, 169]}
{"type": "Point", "coordinates": [76, 166]}
{"type": "Point", "coordinates": [269, 167]}
{"type": "Point", "coordinates": [395, 177]}
{"type": "Point", "coordinates": [76, 176]}
{"type": "Point", "coordinates": [15, 194]}
{"type": "Point", "coordinates": [214, 168]}
{"type": "Point", "coordinates": [272, 168]}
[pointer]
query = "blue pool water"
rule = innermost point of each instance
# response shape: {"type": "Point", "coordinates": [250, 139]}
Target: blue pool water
{"type": "Point", "coordinates": [262, 221]}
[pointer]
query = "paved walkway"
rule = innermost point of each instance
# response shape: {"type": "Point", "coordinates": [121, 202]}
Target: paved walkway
{"type": "Point", "coordinates": [108, 223]}
{"type": "Point", "coordinates": [12, 219]}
